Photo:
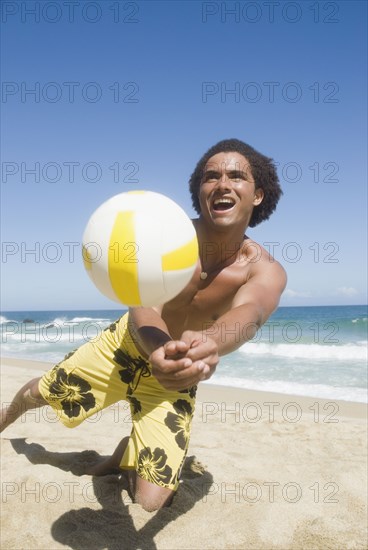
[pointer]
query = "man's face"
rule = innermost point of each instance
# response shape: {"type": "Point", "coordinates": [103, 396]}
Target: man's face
{"type": "Point", "coordinates": [227, 194]}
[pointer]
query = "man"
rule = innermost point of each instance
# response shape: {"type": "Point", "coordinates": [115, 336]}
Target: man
{"type": "Point", "coordinates": [155, 357]}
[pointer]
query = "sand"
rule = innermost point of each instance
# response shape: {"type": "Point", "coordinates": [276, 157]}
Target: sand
{"type": "Point", "coordinates": [264, 471]}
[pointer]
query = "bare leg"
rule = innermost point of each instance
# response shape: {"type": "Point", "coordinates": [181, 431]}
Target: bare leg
{"type": "Point", "coordinates": [150, 496]}
{"type": "Point", "coordinates": [28, 397]}
{"type": "Point", "coordinates": [111, 464]}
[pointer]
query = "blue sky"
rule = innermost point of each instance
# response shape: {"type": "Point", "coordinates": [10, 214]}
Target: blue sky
{"type": "Point", "coordinates": [144, 89]}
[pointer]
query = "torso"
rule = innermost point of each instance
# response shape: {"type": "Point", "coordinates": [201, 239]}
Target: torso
{"type": "Point", "coordinates": [202, 302]}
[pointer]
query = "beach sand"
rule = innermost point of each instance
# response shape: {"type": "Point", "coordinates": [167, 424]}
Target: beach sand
{"type": "Point", "coordinates": [264, 471]}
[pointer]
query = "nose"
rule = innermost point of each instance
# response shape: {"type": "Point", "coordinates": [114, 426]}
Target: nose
{"type": "Point", "coordinates": [224, 182]}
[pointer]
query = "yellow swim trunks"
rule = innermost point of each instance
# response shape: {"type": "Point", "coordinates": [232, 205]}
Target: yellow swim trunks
{"type": "Point", "coordinates": [110, 369]}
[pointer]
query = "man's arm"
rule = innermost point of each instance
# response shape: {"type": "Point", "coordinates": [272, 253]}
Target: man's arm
{"type": "Point", "coordinates": [183, 363]}
{"type": "Point", "coordinates": [148, 329]}
{"type": "Point", "coordinates": [252, 305]}
{"type": "Point", "coordinates": [170, 364]}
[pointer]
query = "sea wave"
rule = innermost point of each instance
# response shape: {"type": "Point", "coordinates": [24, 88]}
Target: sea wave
{"type": "Point", "coordinates": [85, 319]}
{"type": "Point", "coordinates": [294, 388]}
{"type": "Point", "coordinates": [312, 351]}
{"type": "Point", "coordinates": [50, 335]}
{"type": "Point", "coordinates": [4, 320]}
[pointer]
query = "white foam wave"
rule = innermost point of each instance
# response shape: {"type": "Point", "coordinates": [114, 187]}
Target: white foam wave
{"type": "Point", "coordinates": [294, 388]}
{"type": "Point", "coordinates": [48, 336]}
{"type": "Point", "coordinates": [311, 351]}
{"type": "Point", "coordinates": [4, 320]}
{"type": "Point", "coordinates": [85, 319]}
{"type": "Point", "coordinates": [58, 321]}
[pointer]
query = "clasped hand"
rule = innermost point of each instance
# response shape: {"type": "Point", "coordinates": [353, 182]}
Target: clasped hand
{"type": "Point", "coordinates": [181, 364]}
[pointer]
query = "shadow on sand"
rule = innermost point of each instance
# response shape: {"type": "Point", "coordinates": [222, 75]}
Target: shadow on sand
{"type": "Point", "coordinates": [112, 527]}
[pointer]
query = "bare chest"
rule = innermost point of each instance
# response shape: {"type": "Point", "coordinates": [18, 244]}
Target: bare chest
{"type": "Point", "coordinates": [203, 301]}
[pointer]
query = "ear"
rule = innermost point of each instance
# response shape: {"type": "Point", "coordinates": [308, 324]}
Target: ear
{"type": "Point", "coordinates": [258, 196]}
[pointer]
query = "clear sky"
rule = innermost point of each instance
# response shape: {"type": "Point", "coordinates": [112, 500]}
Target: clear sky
{"type": "Point", "coordinates": [104, 97]}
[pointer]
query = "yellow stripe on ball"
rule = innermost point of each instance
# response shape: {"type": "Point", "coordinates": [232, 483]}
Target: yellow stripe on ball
{"type": "Point", "coordinates": [181, 258]}
{"type": "Point", "coordinates": [124, 250]}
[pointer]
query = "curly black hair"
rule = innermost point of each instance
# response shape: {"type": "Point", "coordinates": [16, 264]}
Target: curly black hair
{"type": "Point", "coordinates": [263, 171]}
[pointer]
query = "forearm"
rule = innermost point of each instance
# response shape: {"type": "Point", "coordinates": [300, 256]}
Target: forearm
{"type": "Point", "coordinates": [148, 329]}
{"type": "Point", "coordinates": [235, 328]}
{"type": "Point", "coordinates": [168, 358]}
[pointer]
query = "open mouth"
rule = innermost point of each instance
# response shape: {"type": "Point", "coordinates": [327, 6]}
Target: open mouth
{"type": "Point", "coordinates": [222, 204]}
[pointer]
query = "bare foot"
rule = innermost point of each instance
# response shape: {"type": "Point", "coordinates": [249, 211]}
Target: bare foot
{"type": "Point", "coordinates": [110, 465]}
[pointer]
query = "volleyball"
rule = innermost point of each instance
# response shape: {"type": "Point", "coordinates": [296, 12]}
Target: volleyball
{"type": "Point", "coordinates": [140, 248]}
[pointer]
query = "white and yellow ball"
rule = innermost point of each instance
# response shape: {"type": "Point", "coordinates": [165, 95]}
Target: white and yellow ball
{"type": "Point", "coordinates": [140, 248]}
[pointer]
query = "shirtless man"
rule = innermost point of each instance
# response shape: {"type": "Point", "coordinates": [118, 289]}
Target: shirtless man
{"type": "Point", "coordinates": [155, 357]}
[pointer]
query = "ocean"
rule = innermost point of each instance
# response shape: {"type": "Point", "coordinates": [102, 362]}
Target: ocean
{"type": "Point", "coordinates": [318, 351]}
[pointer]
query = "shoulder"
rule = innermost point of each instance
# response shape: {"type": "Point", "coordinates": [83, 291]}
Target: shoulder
{"type": "Point", "coordinates": [265, 281]}
{"type": "Point", "coordinates": [263, 267]}
{"type": "Point", "coordinates": [259, 259]}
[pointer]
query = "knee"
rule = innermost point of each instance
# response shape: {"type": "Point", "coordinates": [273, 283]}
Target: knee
{"type": "Point", "coordinates": [31, 394]}
{"type": "Point", "coordinates": [34, 389]}
{"type": "Point", "coordinates": [149, 504]}
{"type": "Point", "coordinates": [152, 503]}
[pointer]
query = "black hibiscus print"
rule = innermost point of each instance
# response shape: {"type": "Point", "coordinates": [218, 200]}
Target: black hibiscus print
{"type": "Point", "coordinates": [176, 476]}
{"type": "Point", "coordinates": [152, 466]}
{"type": "Point", "coordinates": [180, 423]}
{"type": "Point", "coordinates": [134, 402]}
{"type": "Point", "coordinates": [130, 365]}
{"type": "Point", "coordinates": [68, 355]}
{"type": "Point", "coordinates": [191, 391]}
{"type": "Point", "coordinates": [112, 327]}
{"type": "Point", "coordinates": [72, 391]}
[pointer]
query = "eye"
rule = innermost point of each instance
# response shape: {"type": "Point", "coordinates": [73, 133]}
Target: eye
{"type": "Point", "coordinates": [210, 176]}
{"type": "Point", "coordinates": [237, 177]}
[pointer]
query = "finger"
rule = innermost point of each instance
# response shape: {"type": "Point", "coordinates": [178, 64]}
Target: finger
{"type": "Point", "coordinates": [169, 367]}
{"type": "Point", "coordinates": [187, 337]}
{"type": "Point", "coordinates": [175, 347]}
{"type": "Point", "coordinates": [194, 371]}
{"type": "Point", "coordinates": [159, 356]}
{"type": "Point", "coordinates": [180, 381]}
{"type": "Point", "coordinates": [200, 353]}
{"type": "Point", "coordinates": [191, 377]}
{"type": "Point", "coordinates": [206, 373]}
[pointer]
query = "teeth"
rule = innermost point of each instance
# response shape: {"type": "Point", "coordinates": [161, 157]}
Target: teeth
{"type": "Point", "coordinates": [222, 201]}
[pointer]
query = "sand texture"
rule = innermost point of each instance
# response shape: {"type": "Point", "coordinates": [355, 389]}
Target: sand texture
{"type": "Point", "coordinates": [264, 471]}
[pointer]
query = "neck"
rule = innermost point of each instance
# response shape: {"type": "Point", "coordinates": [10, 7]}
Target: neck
{"type": "Point", "coordinates": [217, 247]}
